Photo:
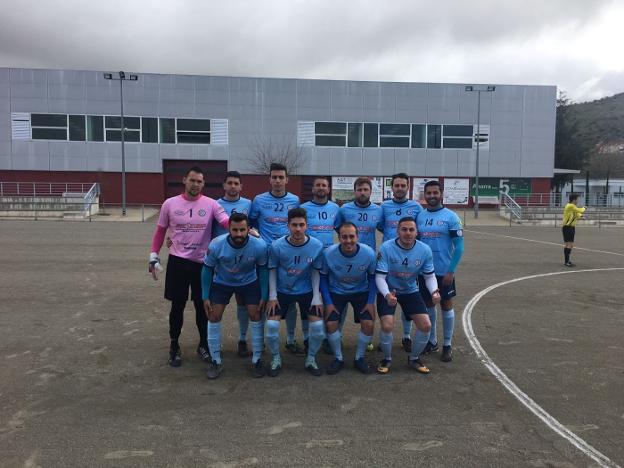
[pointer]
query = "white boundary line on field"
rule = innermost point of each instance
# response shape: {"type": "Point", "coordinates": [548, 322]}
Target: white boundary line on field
{"type": "Point", "coordinates": [527, 401]}
{"type": "Point", "coordinates": [542, 242]}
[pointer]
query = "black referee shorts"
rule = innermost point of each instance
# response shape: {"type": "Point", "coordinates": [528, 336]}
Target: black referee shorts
{"type": "Point", "coordinates": [182, 274]}
{"type": "Point", "coordinates": [568, 233]}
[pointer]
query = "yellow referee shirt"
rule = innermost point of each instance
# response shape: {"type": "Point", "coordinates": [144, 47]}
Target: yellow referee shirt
{"type": "Point", "coordinates": [571, 214]}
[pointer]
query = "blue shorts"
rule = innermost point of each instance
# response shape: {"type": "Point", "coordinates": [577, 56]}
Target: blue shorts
{"type": "Point", "coordinates": [222, 293]}
{"type": "Point", "coordinates": [446, 292]}
{"type": "Point", "coordinates": [358, 302]}
{"type": "Point", "coordinates": [285, 301]}
{"type": "Point", "coordinates": [410, 304]}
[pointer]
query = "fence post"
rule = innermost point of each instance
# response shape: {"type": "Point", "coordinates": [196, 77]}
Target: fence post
{"type": "Point", "coordinates": [89, 211]}
{"type": "Point", "coordinates": [599, 224]}
{"type": "Point", "coordinates": [464, 218]}
{"type": "Point", "coordinates": [142, 213]}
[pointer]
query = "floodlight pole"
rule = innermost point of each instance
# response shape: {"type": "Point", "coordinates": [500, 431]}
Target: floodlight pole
{"type": "Point", "coordinates": [122, 77]}
{"type": "Point", "coordinates": [489, 89]}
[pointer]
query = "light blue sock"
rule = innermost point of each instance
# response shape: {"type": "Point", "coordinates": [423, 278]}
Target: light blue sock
{"type": "Point", "coordinates": [362, 343]}
{"type": "Point", "coordinates": [243, 322]}
{"type": "Point", "coordinates": [433, 335]}
{"type": "Point", "coordinates": [407, 327]}
{"type": "Point", "coordinates": [419, 343]}
{"type": "Point", "coordinates": [305, 328]}
{"type": "Point", "coordinates": [272, 336]}
{"type": "Point", "coordinates": [214, 341]}
{"type": "Point", "coordinates": [448, 322]}
{"type": "Point", "coordinates": [385, 341]}
{"type": "Point", "coordinates": [257, 329]}
{"type": "Point", "coordinates": [334, 342]}
{"type": "Point", "coordinates": [291, 323]}
{"type": "Point", "coordinates": [317, 333]}
{"type": "Point", "coordinates": [343, 318]}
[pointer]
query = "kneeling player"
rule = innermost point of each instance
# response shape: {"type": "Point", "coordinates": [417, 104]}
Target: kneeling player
{"type": "Point", "coordinates": [348, 276]}
{"type": "Point", "coordinates": [235, 264]}
{"type": "Point", "coordinates": [399, 263]}
{"type": "Point", "coordinates": [294, 261]}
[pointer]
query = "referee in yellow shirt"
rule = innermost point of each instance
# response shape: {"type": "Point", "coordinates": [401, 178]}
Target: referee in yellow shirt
{"type": "Point", "coordinates": [571, 214]}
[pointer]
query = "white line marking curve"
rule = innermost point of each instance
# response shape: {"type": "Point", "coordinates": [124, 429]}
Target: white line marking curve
{"type": "Point", "coordinates": [527, 401]}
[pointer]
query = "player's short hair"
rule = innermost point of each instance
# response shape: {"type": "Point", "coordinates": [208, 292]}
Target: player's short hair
{"type": "Point", "coordinates": [406, 219]}
{"type": "Point", "coordinates": [362, 181]}
{"type": "Point", "coordinates": [233, 174]}
{"type": "Point", "coordinates": [197, 169]}
{"type": "Point", "coordinates": [238, 217]}
{"type": "Point", "coordinates": [573, 196]}
{"type": "Point", "coordinates": [348, 224]}
{"type": "Point", "coordinates": [400, 175]}
{"type": "Point", "coordinates": [297, 213]}
{"type": "Point", "coordinates": [321, 177]}
{"type": "Point", "coordinates": [433, 183]}
{"type": "Point", "coordinates": [277, 167]}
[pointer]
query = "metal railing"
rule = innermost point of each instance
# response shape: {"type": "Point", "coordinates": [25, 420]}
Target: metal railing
{"type": "Point", "coordinates": [89, 199]}
{"type": "Point", "coordinates": [42, 189]}
{"type": "Point", "coordinates": [554, 199]}
{"type": "Point", "coordinates": [511, 207]}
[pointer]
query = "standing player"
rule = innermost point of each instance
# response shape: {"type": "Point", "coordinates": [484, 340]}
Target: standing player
{"type": "Point", "coordinates": [571, 214]}
{"type": "Point", "coordinates": [391, 211]}
{"type": "Point", "coordinates": [269, 212]}
{"type": "Point", "coordinates": [441, 229]}
{"type": "Point", "coordinates": [232, 202]}
{"type": "Point", "coordinates": [322, 212]}
{"type": "Point", "coordinates": [399, 263]}
{"type": "Point", "coordinates": [348, 276]}
{"type": "Point", "coordinates": [236, 263]}
{"type": "Point", "coordinates": [361, 212]}
{"type": "Point", "coordinates": [188, 218]}
{"type": "Point", "coordinates": [294, 261]}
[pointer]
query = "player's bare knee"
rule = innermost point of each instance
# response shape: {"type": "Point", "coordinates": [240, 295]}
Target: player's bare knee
{"type": "Point", "coordinates": [367, 327]}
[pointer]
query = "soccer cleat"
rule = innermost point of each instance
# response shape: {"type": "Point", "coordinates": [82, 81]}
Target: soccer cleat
{"type": "Point", "coordinates": [204, 353]}
{"type": "Point", "coordinates": [384, 366]}
{"type": "Point", "coordinates": [313, 368]}
{"type": "Point", "coordinates": [430, 348]}
{"type": "Point", "coordinates": [175, 357]}
{"type": "Point", "coordinates": [407, 344]}
{"type": "Point", "coordinates": [296, 349]}
{"type": "Point", "coordinates": [570, 264]}
{"type": "Point", "coordinates": [242, 349]}
{"type": "Point", "coordinates": [257, 369]}
{"type": "Point", "coordinates": [335, 367]}
{"type": "Point", "coordinates": [275, 367]}
{"type": "Point", "coordinates": [370, 347]}
{"type": "Point", "coordinates": [447, 354]}
{"type": "Point", "coordinates": [214, 370]}
{"type": "Point", "coordinates": [417, 365]}
{"type": "Point", "coordinates": [361, 365]}
{"type": "Point", "coordinates": [326, 347]}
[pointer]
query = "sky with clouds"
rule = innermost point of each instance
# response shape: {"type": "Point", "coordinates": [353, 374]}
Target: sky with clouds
{"type": "Point", "coordinates": [573, 44]}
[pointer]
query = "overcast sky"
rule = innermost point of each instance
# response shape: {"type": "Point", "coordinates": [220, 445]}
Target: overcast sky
{"type": "Point", "coordinates": [574, 44]}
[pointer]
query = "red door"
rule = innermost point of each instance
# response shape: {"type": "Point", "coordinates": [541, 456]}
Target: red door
{"type": "Point", "coordinates": [174, 171]}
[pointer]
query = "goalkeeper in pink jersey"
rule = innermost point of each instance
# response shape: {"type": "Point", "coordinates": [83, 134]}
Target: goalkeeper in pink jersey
{"type": "Point", "coordinates": [188, 218]}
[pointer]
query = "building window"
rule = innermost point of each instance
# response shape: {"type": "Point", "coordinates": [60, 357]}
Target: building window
{"type": "Point", "coordinates": [112, 126]}
{"type": "Point", "coordinates": [371, 135]}
{"type": "Point", "coordinates": [394, 135]}
{"type": "Point", "coordinates": [48, 126]}
{"type": "Point", "coordinates": [355, 135]}
{"type": "Point", "coordinates": [95, 128]}
{"type": "Point", "coordinates": [77, 130]}
{"type": "Point", "coordinates": [194, 131]}
{"type": "Point", "coordinates": [419, 136]}
{"type": "Point", "coordinates": [167, 130]}
{"type": "Point", "coordinates": [330, 134]}
{"type": "Point", "coordinates": [457, 136]}
{"type": "Point", "coordinates": [434, 136]}
{"type": "Point", "coordinates": [149, 130]}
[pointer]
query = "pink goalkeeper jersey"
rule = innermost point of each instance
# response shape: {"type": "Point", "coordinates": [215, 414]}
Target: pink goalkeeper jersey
{"type": "Point", "coordinates": [190, 225]}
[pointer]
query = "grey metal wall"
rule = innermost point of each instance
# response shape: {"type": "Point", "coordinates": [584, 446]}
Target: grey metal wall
{"type": "Point", "coordinates": [521, 119]}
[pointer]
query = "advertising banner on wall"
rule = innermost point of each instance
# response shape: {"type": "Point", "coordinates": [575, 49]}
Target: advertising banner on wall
{"type": "Point", "coordinates": [418, 188]}
{"type": "Point", "coordinates": [387, 188]}
{"type": "Point", "coordinates": [342, 189]}
{"type": "Point", "coordinates": [456, 191]}
{"type": "Point", "coordinates": [488, 187]}
{"type": "Point", "coordinates": [493, 186]}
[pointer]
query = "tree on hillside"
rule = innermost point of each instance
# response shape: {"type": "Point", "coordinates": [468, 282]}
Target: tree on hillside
{"type": "Point", "coordinates": [267, 150]}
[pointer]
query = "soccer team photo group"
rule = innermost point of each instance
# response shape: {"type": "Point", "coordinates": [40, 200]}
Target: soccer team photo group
{"type": "Point", "coordinates": [280, 259]}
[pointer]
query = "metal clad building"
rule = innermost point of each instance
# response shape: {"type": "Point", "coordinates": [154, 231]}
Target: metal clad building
{"type": "Point", "coordinates": [57, 122]}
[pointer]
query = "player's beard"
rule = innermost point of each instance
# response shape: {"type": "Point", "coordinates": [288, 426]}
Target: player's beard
{"type": "Point", "coordinates": [436, 201]}
{"type": "Point", "coordinates": [362, 200]}
{"type": "Point", "coordinates": [239, 240]}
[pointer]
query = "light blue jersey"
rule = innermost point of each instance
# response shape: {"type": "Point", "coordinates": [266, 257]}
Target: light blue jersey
{"type": "Point", "coordinates": [242, 205]}
{"type": "Point", "coordinates": [392, 211]}
{"type": "Point", "coordinates": [437, 229]}
{"type": "Point", "coordinates": [236, 266]}
{"type": "Point", "coordinates": [270, 214]}
{"type": "Point", "coordinates": [294, 264]}
{"type": "Point", "coordinates": [321, 220]}
{"type": "Point", "coordinates": [348, 274]}
{"type": "Point", "coordinates": [365, 219]}
{"type": "Point", "coordinates": [404, 265]}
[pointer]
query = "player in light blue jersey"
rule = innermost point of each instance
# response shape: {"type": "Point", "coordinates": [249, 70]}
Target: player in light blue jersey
{"type": "Point", "coordinates": [348, 276]}
{"type": "Point", "coordinates": [391, 212]}
{"type": "Point", "coordinates": [232, 202]}
{"type": "Point", "coordinates": [236, 263]}
{"type": "Point", "coordinates": [441, 229]}
{"type": "Point", "coordinates": [294, 264]}
{"type": "Point", "coordinates": [399, 263]}
{"type": "Point", "coordinates": [361, 212]}
{"type": "Point", "coordinates": [269, 213]}
{"type": "Point", "coordinates": [321, 212]}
